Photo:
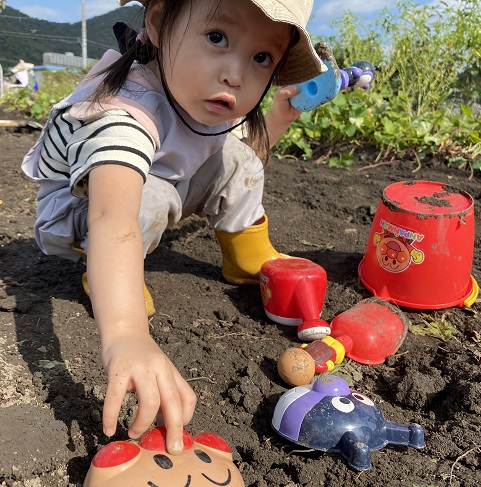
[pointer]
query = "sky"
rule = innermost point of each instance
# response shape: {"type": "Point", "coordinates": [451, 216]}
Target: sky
{"type": "Point", "coordinates": [323, 12]}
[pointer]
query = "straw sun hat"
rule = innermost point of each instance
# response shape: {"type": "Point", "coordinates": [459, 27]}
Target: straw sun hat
{"type": "Point", "coordinates": [22, 66]}
{"type": "Point", "coordinates": [302, 63]}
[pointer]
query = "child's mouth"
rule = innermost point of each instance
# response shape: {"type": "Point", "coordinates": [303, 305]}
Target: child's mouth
{"type": "Point", "coordinates": [219, 105]}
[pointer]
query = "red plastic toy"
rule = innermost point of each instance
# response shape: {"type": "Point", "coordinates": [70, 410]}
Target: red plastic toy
{"type": "Point", "coordinates": [420, 250]}
{"type": "Point", "coordinates": [293, 292]}
{"type": "Point", "coordinates": [367, 333]}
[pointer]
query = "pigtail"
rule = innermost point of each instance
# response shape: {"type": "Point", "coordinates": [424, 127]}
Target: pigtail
{"type": "Point", "coordinates": [115, 77]}
{"type": "Point", "coordinates": [133, 47]}
{"type": "Point", "coordinates": [257, 134]}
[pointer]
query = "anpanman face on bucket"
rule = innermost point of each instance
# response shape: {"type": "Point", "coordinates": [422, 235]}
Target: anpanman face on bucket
{"type": "Point", "coordinates": [419, 253]}
{"type": "Point", "coordinates": [394, 254]}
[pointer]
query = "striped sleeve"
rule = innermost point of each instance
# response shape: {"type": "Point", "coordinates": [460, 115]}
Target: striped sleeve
{"type": "Point", "coordinates": [53, 161]}
{"type": "Point", "coordinates": [113, 138]}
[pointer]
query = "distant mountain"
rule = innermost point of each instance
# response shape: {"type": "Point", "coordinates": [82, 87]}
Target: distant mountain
{"type": "Point", "coordinates": [23, 37]}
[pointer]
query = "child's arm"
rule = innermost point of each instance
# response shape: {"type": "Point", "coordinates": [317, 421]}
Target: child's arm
{"type": "Point", "coordinates": [282, 113]}
{"type": "Point", "coordinates": [115, 266]}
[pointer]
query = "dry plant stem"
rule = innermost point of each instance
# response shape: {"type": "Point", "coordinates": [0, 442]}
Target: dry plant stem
{"type": "Point", "coordinates": [243, 335]}
{"type": "Point", "coordinates": [465, 454]}
{"type": "Point", "coordinates": [207, 379]}
{"type": "Point", "coordinates": [373, 166]}
{"type": "Point", "coordinates": [192, 237]}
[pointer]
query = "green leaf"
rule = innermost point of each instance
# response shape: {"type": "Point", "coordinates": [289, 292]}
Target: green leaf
{"type": "Point", "coordinates": [466, 110]}
{"type": "Point", "coordinates": [439, 329]}
{"type": "Point", "coordinates": [357, 121]}
{"type": "Point", "coordinates": [477, 163]}
{"type": "Point", "coordinates": [50, 364]}
{"type": "Point", "coordinates": [389, 126]}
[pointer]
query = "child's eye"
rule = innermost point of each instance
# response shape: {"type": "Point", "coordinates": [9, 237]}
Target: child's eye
{"type": "Point", "coordinates": [217, 38]}
{"type": "Point", "coordinates": [263, 58]}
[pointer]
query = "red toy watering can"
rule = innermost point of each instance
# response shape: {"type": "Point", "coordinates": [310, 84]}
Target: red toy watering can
{"type": "Point", "coordinates": [293, 292]}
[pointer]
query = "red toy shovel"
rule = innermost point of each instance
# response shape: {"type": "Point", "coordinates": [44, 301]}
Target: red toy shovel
{"type": "Point", "coordinates": [377, 329]}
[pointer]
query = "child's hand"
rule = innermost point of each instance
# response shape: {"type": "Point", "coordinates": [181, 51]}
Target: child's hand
{"type": "Point", "coordinates": [134, 362]}
{"type": "Point", "coordinates": [282, 114]}
{"type": "Point", "coordinates": [282, 110]}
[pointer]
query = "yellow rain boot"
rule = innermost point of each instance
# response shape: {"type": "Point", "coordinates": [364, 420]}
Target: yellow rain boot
{"type": "Point", "coordinates": [149, 302]}
{"type": "Point", "coordinates": [244, 252]}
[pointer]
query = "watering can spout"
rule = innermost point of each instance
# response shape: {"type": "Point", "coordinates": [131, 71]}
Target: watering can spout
{"type": "Point", "coordinates": [307, 299]}
{"type": "Point", "coordinates": [293, 292]}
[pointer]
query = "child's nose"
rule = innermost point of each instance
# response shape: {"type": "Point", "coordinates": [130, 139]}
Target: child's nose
{"type": "Point", "coordinates": [232, 74]}
{"type": "Point", "coordinates": [233, 80]}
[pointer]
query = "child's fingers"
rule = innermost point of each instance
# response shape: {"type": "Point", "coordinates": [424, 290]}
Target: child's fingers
{"type": "Point", "coordinates": [112, 403]}
{"type": "Point", "coordinates": [287, 92]}
{"type": "Point", "coordinates": [172, 412]}
{"type": "Point", "coordinates": [149, 403]}
{"type": "Point", "coordinates": [188, 397]}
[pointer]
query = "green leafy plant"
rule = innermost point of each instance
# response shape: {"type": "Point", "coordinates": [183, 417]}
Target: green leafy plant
{"type": "Point", "coordinates": [37, 104]}
{"type": "Point", "coordinates": [432, 326]}
{"type": "Point", "coordinates": [415, 109]}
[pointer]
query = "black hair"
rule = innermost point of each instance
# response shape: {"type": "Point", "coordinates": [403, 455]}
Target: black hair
{"type": "Point", "coordinates": [133, 50]}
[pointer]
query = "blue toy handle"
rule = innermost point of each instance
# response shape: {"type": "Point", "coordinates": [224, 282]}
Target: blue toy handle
{"type": "Point", "coordinates": [317, 91]}
{"type": "Point", "coordinates": [324, 87]}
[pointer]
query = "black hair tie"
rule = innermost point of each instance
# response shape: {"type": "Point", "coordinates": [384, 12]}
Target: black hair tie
{"type": "Point", "coordinates": [127, 39]}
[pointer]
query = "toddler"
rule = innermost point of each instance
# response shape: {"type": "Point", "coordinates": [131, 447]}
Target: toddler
{"type": "Point", "coordinates": [143, 141]}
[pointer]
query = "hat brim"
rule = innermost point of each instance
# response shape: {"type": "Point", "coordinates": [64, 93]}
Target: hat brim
{"type": "Point", "coordinates": [302, 63]}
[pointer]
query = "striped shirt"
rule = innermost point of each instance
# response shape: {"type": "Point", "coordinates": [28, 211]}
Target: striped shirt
{"type": "Point", "coordinates": [72, 147]}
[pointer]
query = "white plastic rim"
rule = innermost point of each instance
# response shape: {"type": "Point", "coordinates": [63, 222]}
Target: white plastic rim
{"type": "Point", "coordinates": [283, 321]}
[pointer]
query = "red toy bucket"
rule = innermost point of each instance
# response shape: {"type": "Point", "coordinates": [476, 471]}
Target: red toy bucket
{"type": "Point", "coordinates": [420, 250]}
{"type": "Point", "coordinates": [293, 290]}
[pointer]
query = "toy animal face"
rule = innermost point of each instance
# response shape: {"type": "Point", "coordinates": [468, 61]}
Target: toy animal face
{"type": "Point", "coordinates": [316, 420]}
{"type": "Point", "coordinates": [354, 412]}
{"type": "Point", "coordinates": [205, 462]}
{"type": "Point", "coordinates": [328, 416]}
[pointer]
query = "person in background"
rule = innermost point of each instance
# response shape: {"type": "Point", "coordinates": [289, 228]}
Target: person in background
{"type": "Point", "coordinates": [22, 73]}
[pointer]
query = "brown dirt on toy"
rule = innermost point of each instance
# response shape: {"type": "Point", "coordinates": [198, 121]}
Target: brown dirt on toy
{"type": "Point", "coordinates": [52, 383]}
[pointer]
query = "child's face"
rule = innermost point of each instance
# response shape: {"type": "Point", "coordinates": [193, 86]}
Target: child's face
{"type": "Point", "coordinates": [218, 64]}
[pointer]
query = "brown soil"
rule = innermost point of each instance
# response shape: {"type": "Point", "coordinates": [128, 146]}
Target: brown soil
{"type": "Point", "coordinates": [217, 334]}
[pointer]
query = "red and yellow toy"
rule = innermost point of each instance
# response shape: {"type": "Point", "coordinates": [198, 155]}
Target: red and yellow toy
{"type": "Point", "coordinates": [368, 333]}
{"type": "Point", "coordinates": [205, 462]}
{"type": "Point", "coordinates": [328, 352]}
{"type": "Point", "coordinates": [298, 365]}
